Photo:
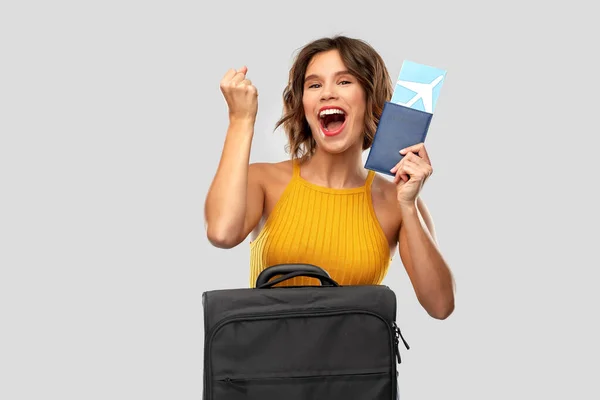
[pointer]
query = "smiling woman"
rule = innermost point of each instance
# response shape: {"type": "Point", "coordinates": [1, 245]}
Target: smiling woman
{"type": "Point", "coordinates": [322, 207]}
{"type": "Point", "coordinates": [334, 103]}
{"type": "Point", "coordinates": [338, 66]}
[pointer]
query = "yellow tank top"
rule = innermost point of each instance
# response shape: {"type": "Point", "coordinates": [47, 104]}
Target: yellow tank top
{"type": "Point", "coordinates": [335, 229]}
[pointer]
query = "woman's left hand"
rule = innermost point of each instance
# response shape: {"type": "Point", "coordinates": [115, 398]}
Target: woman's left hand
{"type": "Point", "coordinates": [411, 173]}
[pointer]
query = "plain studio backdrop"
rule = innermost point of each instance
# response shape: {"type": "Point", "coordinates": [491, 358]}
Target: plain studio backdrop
{"type": "Point", "coordinates": [112, 124]}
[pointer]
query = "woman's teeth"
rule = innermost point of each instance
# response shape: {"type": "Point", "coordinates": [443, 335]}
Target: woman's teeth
{"type": "Point", "coordinates": [331, 111]}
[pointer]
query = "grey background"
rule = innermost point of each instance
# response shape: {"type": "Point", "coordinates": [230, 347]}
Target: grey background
{"type": "Point", "coordinates": [112, 124]}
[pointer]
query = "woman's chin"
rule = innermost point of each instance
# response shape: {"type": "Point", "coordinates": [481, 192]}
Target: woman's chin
{"type": "Point", "coordinates": [335, 144]}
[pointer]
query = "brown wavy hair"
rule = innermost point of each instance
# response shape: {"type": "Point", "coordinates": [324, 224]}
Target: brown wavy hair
{"type": "Point", "coordinates": [362, 61]}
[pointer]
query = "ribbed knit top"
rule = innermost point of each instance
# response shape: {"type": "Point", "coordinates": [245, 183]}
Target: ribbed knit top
{"type": "Point", "coordinates": [335, 229]}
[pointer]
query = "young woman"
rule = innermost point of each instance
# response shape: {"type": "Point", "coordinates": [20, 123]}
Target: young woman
{"type": "Point", "coordinates": [322, 207]}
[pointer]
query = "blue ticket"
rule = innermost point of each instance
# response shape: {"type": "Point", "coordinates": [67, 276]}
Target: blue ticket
{"type": "Point", "coordinates": [418, 86]}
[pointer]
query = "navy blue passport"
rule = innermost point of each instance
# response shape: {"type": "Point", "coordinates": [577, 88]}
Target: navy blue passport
{"type": "Point", "coordinates": [399, 127]}
{"type": "Point", "coordinates": [405, 119]}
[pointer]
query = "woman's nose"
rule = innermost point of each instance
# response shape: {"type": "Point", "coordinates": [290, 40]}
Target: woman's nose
{"type": "Point", "coordinates": [328, 92]}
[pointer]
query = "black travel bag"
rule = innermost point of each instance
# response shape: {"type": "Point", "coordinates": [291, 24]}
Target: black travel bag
{"type": "Point", "coordinates": [327, 342]}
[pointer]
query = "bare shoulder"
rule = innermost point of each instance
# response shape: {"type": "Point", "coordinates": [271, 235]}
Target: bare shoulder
{"type": "Point", "coordinates": [383, 193]}
{"type": "Point", "coordinates": [271, 174]}
{"type": "Point", "coordinates": [388, 211]}
{"type": "Point", "coordinates": [273, 178]}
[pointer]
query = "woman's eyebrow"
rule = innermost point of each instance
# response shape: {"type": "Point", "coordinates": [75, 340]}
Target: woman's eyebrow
{"type": "Point", "coordinates": [316, 76]}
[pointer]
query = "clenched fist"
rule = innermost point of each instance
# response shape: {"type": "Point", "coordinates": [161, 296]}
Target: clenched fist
{"type": "Point", "coordinates": [241, 96]}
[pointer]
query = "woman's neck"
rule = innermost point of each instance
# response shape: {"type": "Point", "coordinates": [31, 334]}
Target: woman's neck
{"type": "Point", "coordinates": [336, 171]}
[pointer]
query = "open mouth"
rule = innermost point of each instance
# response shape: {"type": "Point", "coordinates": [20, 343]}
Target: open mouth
{"type": "Point", "coordinates": [332, 121]}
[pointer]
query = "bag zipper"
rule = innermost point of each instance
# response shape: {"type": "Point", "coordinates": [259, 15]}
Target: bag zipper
{"type": "Point", "coordinates": [393, 329]}
{"type": "Point", "coordinates": [237, 382]}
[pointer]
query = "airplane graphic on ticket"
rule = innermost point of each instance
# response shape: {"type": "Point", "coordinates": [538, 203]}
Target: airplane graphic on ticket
{"type": "Point", "coordinates": [418, 86]}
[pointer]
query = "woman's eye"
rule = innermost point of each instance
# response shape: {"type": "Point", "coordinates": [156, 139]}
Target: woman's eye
{"type": "Point", "coordinates": [316, 85]}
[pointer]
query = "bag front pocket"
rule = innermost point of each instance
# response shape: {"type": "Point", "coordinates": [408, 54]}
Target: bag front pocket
{"type": "Point", "coordinates": [372, 385]}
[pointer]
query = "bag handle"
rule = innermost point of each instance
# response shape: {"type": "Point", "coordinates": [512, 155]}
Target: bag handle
{"type": "Point", "coordinates": [289, 271]}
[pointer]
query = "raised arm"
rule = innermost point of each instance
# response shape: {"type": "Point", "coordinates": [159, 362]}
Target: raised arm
{"type": "Point", "coordinates": [427, 270]}
{"type": "Point", "coordinates": [234, 202]}
{"type": "Point", "coordinates": [426, 267]}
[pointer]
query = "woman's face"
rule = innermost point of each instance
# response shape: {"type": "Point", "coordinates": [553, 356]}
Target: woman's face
{"type": "Point", "coordinates": [334, 103]}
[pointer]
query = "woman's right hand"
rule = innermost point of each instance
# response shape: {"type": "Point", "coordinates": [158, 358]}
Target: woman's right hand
{"type": "Point", "coordinates": [241, 96]}
{"type": "Point", "coordinates": [235, 199]}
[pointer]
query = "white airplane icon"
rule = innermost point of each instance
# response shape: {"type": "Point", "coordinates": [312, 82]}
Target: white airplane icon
{"type": "Point", "coordinates": [424, 91]}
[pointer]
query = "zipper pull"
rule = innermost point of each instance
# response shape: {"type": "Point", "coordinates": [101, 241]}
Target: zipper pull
{"type": "Point", "coordinates": [397, 351]}
{"type": "Point", "coordinates": [234, 384]}
{"type": "Point", "coordinates": [398, 335]}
